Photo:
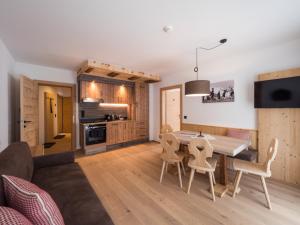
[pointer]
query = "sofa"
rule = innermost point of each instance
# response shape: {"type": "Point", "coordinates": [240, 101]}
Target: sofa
{"type": "Point", "coordinates": [61, 177]}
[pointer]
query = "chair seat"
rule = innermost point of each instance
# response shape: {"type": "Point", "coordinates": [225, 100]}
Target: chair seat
{"type": "Point", "coordinates": [211, 161]}
{"type": "Point", "coordinates": [179, 157]}
{"type": "Point", "coordinates": [250, 167]}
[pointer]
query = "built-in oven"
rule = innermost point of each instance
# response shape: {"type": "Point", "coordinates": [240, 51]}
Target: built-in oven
{"type": "Point", "coordinates": [95, 134]}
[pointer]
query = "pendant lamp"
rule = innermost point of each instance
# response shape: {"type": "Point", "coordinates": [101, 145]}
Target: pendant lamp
{"type": "Point", "coordinates": [200, 87]}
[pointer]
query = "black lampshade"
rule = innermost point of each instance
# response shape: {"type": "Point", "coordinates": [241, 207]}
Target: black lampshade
{"type": "Point", "coordinates": [197, 88]}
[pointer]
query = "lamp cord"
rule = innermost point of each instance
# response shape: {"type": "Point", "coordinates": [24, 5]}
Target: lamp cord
{"type": "Point", "coordinates": [221, 42]}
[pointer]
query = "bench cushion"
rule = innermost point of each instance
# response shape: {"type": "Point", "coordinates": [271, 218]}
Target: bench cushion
{"type": "Point", "coordinates": [247, 155]}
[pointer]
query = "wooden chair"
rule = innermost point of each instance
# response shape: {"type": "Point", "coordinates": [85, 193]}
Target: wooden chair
{"type": "Point", "coordinates": [260, 169]}
{"type": "Point", "coordinates": [171, 145]}
{"type": "Point", "coordinates": [166, 128]}
{"type": "Point", "coordinates": [202, 162]}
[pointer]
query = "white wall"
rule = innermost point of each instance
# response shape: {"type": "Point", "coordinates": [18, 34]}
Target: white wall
{"type": "Point", "coordinates": [6, 94]}
{"type": "Point", "coordinates": [49, 74]}
{"type": "Point", "coordinates": [243, 68]}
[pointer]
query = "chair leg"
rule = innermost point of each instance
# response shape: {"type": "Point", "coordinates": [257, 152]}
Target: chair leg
{"type": "Point", "coordinates": [183, 169]}
{"type": "Point", "coordinates": [237, 182]}
{"type": "Point", "coordinates": [162, 171]}
{"type": "Point", "coordinates": [191, 179]}
{"type": "Point", "coordinates": [211, 186]}
{"type": "Point", "coordinates": [167, 167]}
{"type": "Point", "coordinates": [266, 191]}
{"type": "Point", "coordinates": [214, 179]}
{"type": "Point", "coordinates": [179, 174]}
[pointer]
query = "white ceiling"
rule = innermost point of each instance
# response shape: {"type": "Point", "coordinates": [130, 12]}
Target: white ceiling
{"type": "Point", "coordinates": [64, 33]}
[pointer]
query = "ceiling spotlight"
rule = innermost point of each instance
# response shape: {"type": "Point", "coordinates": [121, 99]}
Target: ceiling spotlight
{"type": "Point", "coordinates": [168, 29]}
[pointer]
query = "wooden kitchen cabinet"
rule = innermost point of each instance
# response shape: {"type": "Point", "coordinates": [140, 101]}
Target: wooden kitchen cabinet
{"type": "Point", "coordinates": [142, 110]}
{"type": "Point", "coordinates": [120, 132]}
{"type": "Point", "coordinates": [112, 130]}
{"type": "Point", "coordinates": [123, 94]}
{"type": "Point", "coordinates": [109, 93]}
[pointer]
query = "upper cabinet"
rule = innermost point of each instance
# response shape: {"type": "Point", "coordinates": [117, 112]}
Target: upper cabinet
{"type": "Point", "coordinates": [106, 92]}
{"type": "Point", "coordinates": [141, 101]}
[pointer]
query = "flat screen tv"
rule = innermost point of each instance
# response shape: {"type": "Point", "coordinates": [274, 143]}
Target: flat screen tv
{"type": "Point", "coordinates": [278, 93]}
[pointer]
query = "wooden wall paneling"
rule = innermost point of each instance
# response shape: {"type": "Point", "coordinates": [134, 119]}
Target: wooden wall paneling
{"type": "Point", "coordinates": [285, 125]}
{"type": "Point", "coordinates": [219, 131]}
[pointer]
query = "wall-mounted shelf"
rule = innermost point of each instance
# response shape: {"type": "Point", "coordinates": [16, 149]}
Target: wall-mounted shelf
{"type": "Point", "coordinates": [95, 68]}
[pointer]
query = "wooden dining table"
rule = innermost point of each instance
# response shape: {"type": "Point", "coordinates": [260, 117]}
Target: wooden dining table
{"type": "Point", "coordinates": [222, 145]}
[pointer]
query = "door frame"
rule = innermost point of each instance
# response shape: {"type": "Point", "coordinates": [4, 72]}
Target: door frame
{"type": "Point", "coordinates": [160, 102]}
{"type": "Point", "coordinates": [73, 95]}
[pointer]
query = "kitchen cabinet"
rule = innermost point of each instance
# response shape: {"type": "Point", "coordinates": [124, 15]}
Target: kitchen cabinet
{"type": "Point", "coordinates": [109, 93]}
{"type": "Point", "coordinates": [112, 130]}
{"type": "Point", "coordinates": [142, 110]}
{"type": "Point", "coordinates": [120, 132]}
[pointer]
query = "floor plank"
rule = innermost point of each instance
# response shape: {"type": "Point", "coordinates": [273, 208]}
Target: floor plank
{"type": "Point", "coordinates": [127, 182]}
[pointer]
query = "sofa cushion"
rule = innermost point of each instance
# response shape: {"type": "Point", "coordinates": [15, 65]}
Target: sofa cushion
{"type": "Point", "coordinates": [11, 216]}
{"type": "Point", "coordinates": [33, 202]}
{"type": "Point", "coordinates": [15, 160]}
{"type": "Point", "coordinates": [73, 194]}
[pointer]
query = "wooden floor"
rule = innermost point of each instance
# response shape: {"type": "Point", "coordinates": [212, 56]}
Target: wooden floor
{"type": "Point", "coordinates": [127, 182]}
{"type": "Point", "coordinates": [61, 145]}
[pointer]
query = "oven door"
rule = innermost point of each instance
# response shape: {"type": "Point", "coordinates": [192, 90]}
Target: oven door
{"type": "Point", "coordinates": [95, 134]}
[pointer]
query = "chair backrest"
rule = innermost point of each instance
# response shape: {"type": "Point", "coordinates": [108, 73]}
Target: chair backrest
{"type": "Point", "coordinates": [271, 154]}
{"type": "Point", "coordinates": [170, 145]}
{"type": "Point", "coordinates": [166, 128]}
{"type": "Point", "coordinates": [201, 149]}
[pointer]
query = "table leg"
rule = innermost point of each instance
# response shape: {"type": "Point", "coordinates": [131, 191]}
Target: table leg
{"type": "Point", "coordinates": [223, 170]}
{"type": "Point", "coordinates": [221, 188]}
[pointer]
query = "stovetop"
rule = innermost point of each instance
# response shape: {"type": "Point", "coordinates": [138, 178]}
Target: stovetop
{"type": "Point", "coordinates": [92, 120]}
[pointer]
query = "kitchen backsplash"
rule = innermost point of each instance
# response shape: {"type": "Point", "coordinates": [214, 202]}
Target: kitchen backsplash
{"type": "Point", "coordinates": [92, 110]}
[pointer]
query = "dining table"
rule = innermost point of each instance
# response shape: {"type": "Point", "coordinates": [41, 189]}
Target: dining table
{"type": "Point", "coordinates": [224, 146]}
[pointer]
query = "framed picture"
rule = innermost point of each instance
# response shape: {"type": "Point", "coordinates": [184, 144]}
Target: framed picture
{"type": "Point", "coordinates": [222, 91]}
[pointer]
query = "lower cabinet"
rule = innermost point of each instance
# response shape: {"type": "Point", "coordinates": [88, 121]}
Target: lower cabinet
{"type": "Point", "coordinates": [112, 130]}
{"type": "Point", "coordinates": [119, 132]}
{"type": "Point", "coordinates": [141, 130]}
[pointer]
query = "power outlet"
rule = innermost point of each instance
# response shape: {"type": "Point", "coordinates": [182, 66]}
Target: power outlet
{"type": "Point", "coordinates": [185, 117]}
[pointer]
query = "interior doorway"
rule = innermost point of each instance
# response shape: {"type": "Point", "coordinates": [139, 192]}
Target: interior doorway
{"type": "Point", "coordinates": [171, 106]}
{"type": "Point", "coordinates": [58, 100]}
{"type": "Point", "coordinates": [55, 118]}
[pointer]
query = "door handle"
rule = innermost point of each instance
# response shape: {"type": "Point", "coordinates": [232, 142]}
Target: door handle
{"type": "Point", "coordinates": [27, 121]}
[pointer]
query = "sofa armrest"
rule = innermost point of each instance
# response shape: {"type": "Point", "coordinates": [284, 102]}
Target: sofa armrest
{"type": "Point", "coordinates": [53, 160]}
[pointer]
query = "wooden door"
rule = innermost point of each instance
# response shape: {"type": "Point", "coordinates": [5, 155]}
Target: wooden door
{"type": "Point", "coordinates": [28, 111]}
{"type": "Point", "coordinates": [50, 113]}
{"type": "Point", "coordinates": [67, 114]}
{"type": "Point", "coordinates": [59, 114]}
